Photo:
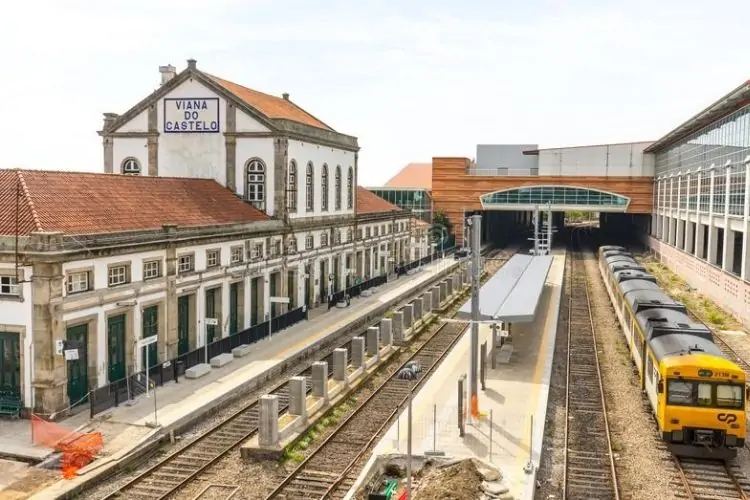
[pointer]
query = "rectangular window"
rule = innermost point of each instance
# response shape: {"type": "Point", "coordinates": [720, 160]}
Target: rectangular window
{"type": "Point", "coordinates": [276, 248]}
{"type": "Point", "coordinates": [78, 282]}
{"type": "Point", "coordinates": [118, 275]}
{"type": "Point", "coordinates": [8, 285]}
{"type": "Point", "coordinates": [236, 254]}
{"type": "Point", "coordinates": [359, 233]}
{"type": "Point", "coordinates": [729, 396]}
{"type": "Point", "coordinates": [705, 394]}
{"type": "Point", "coordinates": [151, 269]}
{"type": "Point", "coordinates": [185, 264]}
{"type": "Point", "coordinates": [368, 233]}
{"type": "Point", "coordinates": [257, 252]}
{"type": "Point", "coordinates": [310, 242]}
{"type": "Point", "coordinates": [337, 237]}
{"type": "Point", "coordinates": [213, 258]}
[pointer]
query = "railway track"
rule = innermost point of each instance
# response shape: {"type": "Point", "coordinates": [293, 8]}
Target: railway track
{"type": "Point", "coordinates": [177, 469]}
{"type": "Point", "coordinates": [589, 468]}
{"type": "Point", "coordinates": [710, 479]}
{"type": "Point", "coordinates": [329, 471]}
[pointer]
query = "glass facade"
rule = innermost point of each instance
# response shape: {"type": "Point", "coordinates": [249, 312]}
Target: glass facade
{"type": "Point", "coordinates": [724, 142]}
{"type": "Point", "coordinates": [418, 201]}
{"type": "Point", "coordinates": [557, 195]}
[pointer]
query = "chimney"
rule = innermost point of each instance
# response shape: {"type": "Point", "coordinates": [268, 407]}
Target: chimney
{"type": "Point", "coordinates": [167, 73]}
{"type": "Point", "coordinates": [285, 95]}
{"type": "Point", "coordinates": [191, 63]}
{"type": "Point", "coordinates": [109, 119]}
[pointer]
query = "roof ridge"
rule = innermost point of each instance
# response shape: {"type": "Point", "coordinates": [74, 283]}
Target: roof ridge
{"type": "Point", "coordinates": [29, 201]}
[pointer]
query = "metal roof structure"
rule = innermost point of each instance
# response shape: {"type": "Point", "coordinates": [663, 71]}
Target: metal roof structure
{"type": "Point", "coordinates": [512, 294]}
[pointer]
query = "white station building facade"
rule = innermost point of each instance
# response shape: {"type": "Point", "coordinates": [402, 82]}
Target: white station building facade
{"type": "Point", "coordinates": [214, 198]}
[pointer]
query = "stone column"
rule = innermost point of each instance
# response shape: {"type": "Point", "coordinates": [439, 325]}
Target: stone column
{"type": "Point", "coordinates": [298, 397]}
{"type": "Point", "coordinates": [340, 363]}
{"type": "Point", "coordinates": [449, 286]}
{"type": "Point", "coordinates": [358, 352]}
{"type": "Point", "coordinates": [268, 434]}
{"type": "Point", "coordinates": [386, 331]}
{"type": "Point", "coordinates": [320, 380]}
{"type": "Point", "coordinates": [416, 306]}
{"type": "Point", "coordinates": [435, 297]}
{"type": "Point", "coordinates": [373, 341]}
{"type": "Point", "coordinates": [427, 303]}
{"type": "Point", "coordinates": [443, 291]}
{"type": "Point", "coordinates": [398, 326]}
{"type": "Point", "coordinates": [408, 312]}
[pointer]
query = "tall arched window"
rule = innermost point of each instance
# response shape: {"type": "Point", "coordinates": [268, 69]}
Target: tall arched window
{"type": "Point", "coordinates": [324, 188]}
{"type": "Point", "coordinates": [309, 188]}
{"type": "Point", "coordinates": [337, 187]}
{"type": "Point", "coordinates": [291, 188]}
{"type": "Point", "coordinates": [255, 178]}
{"type": "Point", "coordinates": [350, 188]}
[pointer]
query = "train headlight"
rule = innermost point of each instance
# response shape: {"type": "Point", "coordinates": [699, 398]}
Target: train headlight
{"type": "Point", "coordinates": [677, 436]}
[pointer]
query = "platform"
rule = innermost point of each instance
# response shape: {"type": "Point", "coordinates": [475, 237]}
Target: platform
{"type": "Point", "coordinates": [515, 391]}
{"type": "Point", "coordinates": [126, 428]}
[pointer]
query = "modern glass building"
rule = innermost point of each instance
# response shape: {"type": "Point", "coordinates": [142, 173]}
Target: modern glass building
{"type": "Point", "coordinates": [567, 197]}
{"type": "Point", "coordinates": [417, 200]}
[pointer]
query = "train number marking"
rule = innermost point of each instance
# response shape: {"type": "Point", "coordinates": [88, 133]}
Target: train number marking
{"type": "Point", "coordinates": [727, 417]}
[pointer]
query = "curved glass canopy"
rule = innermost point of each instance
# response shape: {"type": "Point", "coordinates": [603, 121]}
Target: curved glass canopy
{"type": "Point", "coordinates": [567, 197]}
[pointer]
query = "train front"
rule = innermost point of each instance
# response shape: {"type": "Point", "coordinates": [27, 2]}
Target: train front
{"type": "Point", "coordinates": [702, 398]}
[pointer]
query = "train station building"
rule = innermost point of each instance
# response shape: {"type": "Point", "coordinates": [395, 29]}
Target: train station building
{"type": "Point", "coordinates": [218, 208]}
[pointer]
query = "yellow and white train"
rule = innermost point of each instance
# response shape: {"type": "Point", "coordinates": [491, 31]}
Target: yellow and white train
{"type": "Point", "coordinates": [697, 395]}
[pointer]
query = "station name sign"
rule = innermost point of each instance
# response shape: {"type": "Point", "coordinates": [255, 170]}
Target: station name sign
{"type": "Point", "coordinates": [191, 115]}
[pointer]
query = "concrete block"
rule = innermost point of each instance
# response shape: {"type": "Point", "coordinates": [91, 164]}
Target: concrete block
{"type": "Point", "coordinates": [449, 286]}
{"type": "Point", "coordinates": [427, 303]}
{"type": "Point", "coordinates": [298, 397]}
{"type": "Point", "coordinates": [268, 432]}
{"type": "Point", "coordinates": [408, 312]}
{"type": "Point", "coordinates": [242, 350]}
{"type": "Point", "coordinates": [320, 380]}
{"type": "Point", "coordinates": [366, 293]}
{"type": "Point", "coordinates": [443, 291]}
{"type": "Point", "coordinates": [373, 341]}
{"type": "Point", "coordinates": [398, 326]}
{"type": "Point", "coordinates": [416, 306]}
{"type": "Point", "coordinates": [221, 360]}
{"type": "Point", "coordinates": [435, 297]}
{"type": "Point", "coordinates": [456, 283]}
{"type": "Point", "coordinates": [198, 371]}
{"type": "Point", "coordinates": [340, 362]}
{"type": "Point", "coordinates": [358, 352]}
{"type": "Point", "coordinates": [386, 331]}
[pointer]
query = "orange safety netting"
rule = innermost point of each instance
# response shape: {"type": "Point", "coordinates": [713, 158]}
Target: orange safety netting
{"type": "Point", "coordinates": [78, 449]}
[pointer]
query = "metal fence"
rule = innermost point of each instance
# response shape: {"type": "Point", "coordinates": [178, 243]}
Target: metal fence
{"type": "Point", "coordinates": [128, 388]}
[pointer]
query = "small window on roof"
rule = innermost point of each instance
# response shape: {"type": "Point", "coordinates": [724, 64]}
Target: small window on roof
{"type": "Point", "coordinates": [130, 166]}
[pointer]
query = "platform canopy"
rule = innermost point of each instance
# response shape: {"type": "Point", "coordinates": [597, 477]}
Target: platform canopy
{"type": "Point", "coordinates": [512, 294]}
{"type": "Point", "coordinates": [562, 198]}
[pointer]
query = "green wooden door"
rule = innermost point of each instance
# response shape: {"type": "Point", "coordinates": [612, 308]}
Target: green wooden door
{"type": "Point", "coordinates": [183, 325]}
{"type": "Point", "coordinates": [234, 298]}
{"type": "Point", "coordinates": [116, 347]}
{"type": "Point", "coordinates": [256, 301]}
{"type": "Point", "coordinates": [274, 277]}
{"type": "Point", "coordinates": [78, 371]}
{"type": "Point", "coordinates": [150, 328]}
{"type": "Point", "coordinates": [10, 364]}
{"type": "Point", "coordinates": [211, 313]}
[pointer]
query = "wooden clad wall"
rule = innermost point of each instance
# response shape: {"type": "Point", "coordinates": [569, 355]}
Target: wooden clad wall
{"type": "Point", "coordinates": [454, 191]}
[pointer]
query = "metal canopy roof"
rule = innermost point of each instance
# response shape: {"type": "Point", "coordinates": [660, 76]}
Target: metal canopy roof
{"type": "Point", "coordinates": [513, 293]}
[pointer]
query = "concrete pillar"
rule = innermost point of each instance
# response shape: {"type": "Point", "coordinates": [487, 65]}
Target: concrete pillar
{"type": "Point", "coordinates": [443, 291]}
{"type": "Point", "coordinates": [416, 306]}
{"type": "Point", "coordinates": [373, 341]}
{"type": "Point", "coordinates": [713, 242]}
{"type": "Point", "coordinates": [745, 266]}
{"type": "Point", "coordinates": [426, 303]}
{"type": "Point", "coordinates": [398, 326]}
{"type": "Point", "coordinates": [386, 331]}
{"type": "Point", "coordinates": [408, 313]}
{"type": "Point", "coordinates": [689, 237]}
{"type": "Point", "coordinates": [358, 352]}
{"type": "Point", "coordinates": [456, 283]}
{"type": "Point", "coordinates": [728, 257]}
{"type": "Point", "coordinates": [340, 363]}
{"type": "Point", "coordinates": [449, 286]}
{"type": "Point", "coordinates": [320, 380]}
{"type": "Point", "coordinates": [298, 397]}
{"type": "Point", "coordinates": [268, 434]}
{"type": "Point", "coordinates": [679, 242]}
{"type": "Point", "coordinates": [435, 297]}
{"type": "Point", "coordinates": [699, 240]}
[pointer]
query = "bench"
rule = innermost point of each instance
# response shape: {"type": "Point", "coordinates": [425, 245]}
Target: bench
{"type": "Point", "coordinates": [10, 405]}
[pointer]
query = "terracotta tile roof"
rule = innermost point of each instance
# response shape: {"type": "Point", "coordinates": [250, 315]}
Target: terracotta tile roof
{"type": "Point", "coordinates": [421, 223]}
{"type": "Point", "coordinates": [414, 175]}
{"type": "Point", "coordinates": [269, 105]}
{"type": "Point", "coordinates": [370, 203]}
{"type": "Point", "coordinates": [89, 203]}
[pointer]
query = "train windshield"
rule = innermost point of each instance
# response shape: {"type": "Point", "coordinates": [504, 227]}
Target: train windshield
{"type": "Point", "coordinates": [706, 394]}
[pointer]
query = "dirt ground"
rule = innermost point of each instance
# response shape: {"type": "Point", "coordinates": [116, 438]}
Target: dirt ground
{"type": "Point", "coordinates": [461, 481]}
{"type": "Point", "coordinates": [19, 481]}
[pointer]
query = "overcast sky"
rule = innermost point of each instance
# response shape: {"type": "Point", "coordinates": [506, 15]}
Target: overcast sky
{"type": "Point", "coordinates": [411, 79]}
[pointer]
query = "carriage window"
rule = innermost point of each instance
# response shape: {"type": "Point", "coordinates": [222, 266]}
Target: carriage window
{"type": "Point", "coordinates": [704, 394]}
{"type": "Point", "coordinates": [680, 393]}
{"type": "Point", "coordinates": [729, 396]}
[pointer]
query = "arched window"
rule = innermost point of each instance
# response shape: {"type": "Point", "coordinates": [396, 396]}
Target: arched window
{"type": "Point", "coordinates": [337, 187]}
{"type": "Point", "coordinates": [291, 188]}
{"type": "Point", "coordinates": [309, 188]}
{"type": "Point", "coordinates": [255, 177]}
{"type": "Point", "coordinates": [350, 188]}
{"type": "Point", "coordinates": [324, 188]}
{"type": "Point", "coordinates": [130, 166]}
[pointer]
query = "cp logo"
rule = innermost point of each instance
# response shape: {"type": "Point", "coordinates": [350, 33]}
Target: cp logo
{"type": "Point", "coordinates": [727, 417]}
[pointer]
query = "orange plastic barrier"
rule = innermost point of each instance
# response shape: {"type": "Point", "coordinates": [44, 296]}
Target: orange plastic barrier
{"type": "Point", "coordinates": [78, 449]}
